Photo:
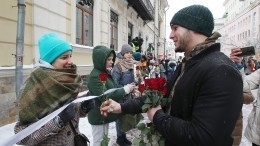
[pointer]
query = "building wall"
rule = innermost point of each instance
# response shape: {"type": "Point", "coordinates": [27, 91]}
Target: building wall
{"type": "Point", "coordinates": [8, 28]}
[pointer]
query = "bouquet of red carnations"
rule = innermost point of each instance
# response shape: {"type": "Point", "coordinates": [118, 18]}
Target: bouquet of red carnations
{"type": "Point", "coordinates": [154, 89]}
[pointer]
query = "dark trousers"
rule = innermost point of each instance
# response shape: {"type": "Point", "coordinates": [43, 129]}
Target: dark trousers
{"type": "Point", "coordinates": [254, 144]}
{"type": "Point", "coordinates": [119, 133]}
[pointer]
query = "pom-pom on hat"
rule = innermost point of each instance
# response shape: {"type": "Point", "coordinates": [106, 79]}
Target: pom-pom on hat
{"type": "Point", "coordinates": [195, 17]}
{"type": "Point", "coordinates": [52, 46]}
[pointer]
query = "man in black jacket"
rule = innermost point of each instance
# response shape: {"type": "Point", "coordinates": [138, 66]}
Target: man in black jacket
{"type": "Point", "coordinates": [205, 90]}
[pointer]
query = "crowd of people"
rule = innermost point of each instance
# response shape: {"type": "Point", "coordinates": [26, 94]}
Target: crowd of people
{"type": "Point", "coordinates": [206, 90]}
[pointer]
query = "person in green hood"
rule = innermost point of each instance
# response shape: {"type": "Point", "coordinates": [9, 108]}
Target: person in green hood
{"type": "Point", "coordinates": [99, 81]}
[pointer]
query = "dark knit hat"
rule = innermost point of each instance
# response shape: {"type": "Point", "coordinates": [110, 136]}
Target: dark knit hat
{"type": "Point", "coordinates": [126, 48]}
{"type": "Point", "coordinates": [137, 56]}
{"type": "Point", "coordinates": [195, 17]}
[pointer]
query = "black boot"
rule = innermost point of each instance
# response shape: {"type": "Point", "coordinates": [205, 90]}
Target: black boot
{"type": "Point", "coordinates": [122, 141]}
{"type": "Point", "coordinates": [127, 141]}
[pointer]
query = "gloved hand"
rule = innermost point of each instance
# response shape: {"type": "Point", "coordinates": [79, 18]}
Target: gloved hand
{"type": "Point", "coordinates": [67, 114]}
{"type": "Point", "coordinates": [87, 105]}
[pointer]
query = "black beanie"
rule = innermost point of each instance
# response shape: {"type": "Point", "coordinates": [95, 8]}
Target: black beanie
{"type": "Point", "coordinates": [195, 17]}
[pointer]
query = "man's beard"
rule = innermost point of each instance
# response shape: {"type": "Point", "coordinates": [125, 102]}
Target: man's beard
{"type": "Point", "coordinates": [184, 39]}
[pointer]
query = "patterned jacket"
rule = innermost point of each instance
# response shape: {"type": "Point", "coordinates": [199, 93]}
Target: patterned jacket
{"type": "Point", "coordinates": [50, 134]}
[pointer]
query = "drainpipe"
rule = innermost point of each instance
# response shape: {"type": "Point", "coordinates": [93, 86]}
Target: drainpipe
{"type": "Point", "coordinates": [19, 47]}
{"type": "Point", "coordinates": [154, 37]}
{"type": "Point", "coordinates": [165, 32]}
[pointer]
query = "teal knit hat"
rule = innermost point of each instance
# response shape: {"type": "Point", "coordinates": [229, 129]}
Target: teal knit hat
{"type": "Point", "coordinates": [52, 46]}
{"type": "Point", "coordinates": [195, 17]}
{"type": "Point", "coordinates": [137, 56]}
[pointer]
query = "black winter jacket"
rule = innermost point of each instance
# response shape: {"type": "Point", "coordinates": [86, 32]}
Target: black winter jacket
{"type": "Point", "coordinates": [205, 105]}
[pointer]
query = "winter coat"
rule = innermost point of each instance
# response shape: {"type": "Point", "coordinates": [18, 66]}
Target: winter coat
{"type": "Point", "coordinates": [206, 103]}
{"type": "Point", "coordinates": [237, 132]}
{"type": "Point", "coordinates": [96, 87]}
{"type": "Point", "coordinates": [50, 134]}
{"type": "Point", "coordinates": [122, 77]}
{"type": "Point", "coordinates": [252, 131]}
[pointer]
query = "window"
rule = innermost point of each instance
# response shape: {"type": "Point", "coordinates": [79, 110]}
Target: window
{"type": "Point", "coordinates": [113, 30]}
{"type": "Point", "coordinates": [254, 25]}
{"type": "Point", "coordinates": [84, 25]}
{"type": "Point", "coordinates": [130, 32]}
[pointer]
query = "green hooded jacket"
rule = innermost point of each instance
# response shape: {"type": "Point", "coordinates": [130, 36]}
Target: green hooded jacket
{"type": "Point", "coordinates": [96, 87]}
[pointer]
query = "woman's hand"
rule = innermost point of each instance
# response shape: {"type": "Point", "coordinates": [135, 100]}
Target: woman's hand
{"type": "Point", "coordinates": [234, 55]}
{"type": "Point", "coordinates": [110, 106]}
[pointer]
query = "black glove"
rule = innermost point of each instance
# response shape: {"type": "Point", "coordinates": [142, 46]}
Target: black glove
{"type": "Point", "coordinates": [67, 114]}
{"type": "Point", "coordinates": [87, 105]}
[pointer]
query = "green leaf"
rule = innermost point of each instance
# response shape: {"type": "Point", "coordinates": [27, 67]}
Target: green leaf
{"type": "Point", "coordinates": [137, 141]}
{"type": "Point", "coordinates": [141, 126]}
{"type": "Point", "coordinates": [105, 140]}
{"type": "Point", "coordinates": [155, 100]}
{"type": "Point", "coordinates": [142, 144]}
{"type": "Point", "coordinates": [146, 131]}
{"type": "Point", "coordinates": [145, 107]}
{"type": "Point", "coordinates": [164, 101]}
{"type": "Point", "coordinates": [148, 100]}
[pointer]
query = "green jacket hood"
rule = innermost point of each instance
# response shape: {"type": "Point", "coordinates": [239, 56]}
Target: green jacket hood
{"type": "Point", "coordinates": [100, 55]}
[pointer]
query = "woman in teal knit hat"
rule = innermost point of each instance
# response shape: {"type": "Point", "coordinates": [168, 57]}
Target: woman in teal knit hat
{"type": "Point", "coordinates": [51, 85]}
{"type": "Point", "coordinates": [103, 61]}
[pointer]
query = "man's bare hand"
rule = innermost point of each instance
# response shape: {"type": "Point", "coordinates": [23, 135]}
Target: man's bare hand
{"type": "Point", "coordinates": [110, 106]}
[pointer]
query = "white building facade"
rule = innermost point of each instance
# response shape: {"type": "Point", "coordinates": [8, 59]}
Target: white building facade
{"type": "Point", "coordinates": [241, 26]}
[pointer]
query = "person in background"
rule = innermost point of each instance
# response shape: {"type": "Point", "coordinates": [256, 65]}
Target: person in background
{"type": "Point", "coordinates": [123, 74]}
{"type": "Point", "coordinates": [138, 67]}
{"type": "Point", "coordinates": [162, 69]}
{"type": "Point", "coordinates": [250, 82]}
{"type": "Point", "coordinates": [205, 92]}
{"type": "Point", "coordinates": [103, 61]}
{"type": "Point", "coordinates": [144, 66]}
{"type": "Point", "coordinates": [51, 85]}
{"type": "Point", "coordinates": [171, 69]}
{"type": "Point", "coordinates": [166, 66]}
{"type": "Point", "coordinates": [251, 64]}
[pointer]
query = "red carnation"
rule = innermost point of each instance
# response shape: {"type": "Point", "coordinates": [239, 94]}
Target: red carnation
{"type": "Point", "coordinates": [161, 81]}
{"type": "Point", "coordinates": [141, 88]}
{"type": "Point", "coordinates": [164, 91]}
{"type": "Point", "coordinates": [103, 76]}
